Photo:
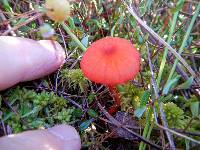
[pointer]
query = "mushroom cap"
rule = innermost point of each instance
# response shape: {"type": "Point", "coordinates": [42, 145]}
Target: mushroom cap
{"type": "Point", "coordinates": [111, 61]}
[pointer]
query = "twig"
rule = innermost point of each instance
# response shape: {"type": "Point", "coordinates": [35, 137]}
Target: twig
{"type": "Point", "coordinates": [56, 81]}
{"type": "Point", "coordinates": [187, 132]}
{"type": "Point", "coordinates": [22, 24]}
{"type": "Point", "coordinates": [155, 129]}
{"type": "Point", "coordinates": [169, 136]}
{"type": "Point", "coordinates": [10, 106]}
{"type": "Point", "coordinates": [8, 25]}
{"type": "Point", "coordinates": [2, 123]}
{"type": "Point", "coordinates": [73, 102]}
{"type": "Point", "coordinates": [63, 39]}
{"type": "Point", "coordinates": [178, 134]}
{"type": "Point", "coordinates": [187, 14]}
{"type": "Point", "coordinates": [16, 16]}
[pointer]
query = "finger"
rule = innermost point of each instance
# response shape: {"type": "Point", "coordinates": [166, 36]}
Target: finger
{"type": "Point", "coordinates": [62, 137]}
{"type": "Point", "coordinates": [24, 59]}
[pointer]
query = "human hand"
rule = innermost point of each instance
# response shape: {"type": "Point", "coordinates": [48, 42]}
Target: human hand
{"type": "Point", "coordinates": [62, 137]}
{"type": "Point", "coordinates": [24, 60]}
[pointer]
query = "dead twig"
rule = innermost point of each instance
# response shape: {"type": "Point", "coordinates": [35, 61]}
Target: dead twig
{"type": "Point", "coordinates": [169, 136]}
{"type": "Point", "coordinates": [8, 25]}
{"type": "Point", "coordinates": [22, 24]}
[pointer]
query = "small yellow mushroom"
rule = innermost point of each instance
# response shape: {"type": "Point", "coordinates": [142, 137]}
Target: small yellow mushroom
{"type": "Point", "coordinates": [57, 10]}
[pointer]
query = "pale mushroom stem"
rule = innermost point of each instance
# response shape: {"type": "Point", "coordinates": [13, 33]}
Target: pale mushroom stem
{"type": "Point", "coordinates": [117, 101]}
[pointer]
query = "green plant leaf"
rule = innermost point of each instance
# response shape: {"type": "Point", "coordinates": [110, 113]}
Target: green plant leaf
{"type": "Point", "coordinates": [20, 21]}
{"type": "Point", "coordinates": [187, 144]}
{"type": "Point", "coordinates": [165, 98]}
{"type": "Point", "coordinates": [71, 23]}
{"type": "Point", "coordinates": [194, 106]}
{"type": "Point", "coordinates": [6, 5]}
{"type": "Point", "coordinates": [186, 84]}
{"type": "Point", "coordinates": [119, 22]}
{"type": "Point", "coordinates": [178, 6]}
{"type": "Point", "coordinates": [145, 98]}
{"type": "Point", "coordinates": [92, 113]}
{"type": "Point", "coordinates": [168, 86]}
{"type": "Point", "coordinates": [133, 22]}
{"type": "Point", "coordinates": [77, 112]}
{"type": "Point", "coordinates": [149, 3]}
{"type": "Point", "coordinates": [139, 111]}
{"type": "Point", "coordinates": [84, 125]}
{"type": "Point", "coordinates": [91, 98]}
{"type": "Point", "coordinates": [143, 8]}
{"type": "Point", "coordinates": [7, 116]}
{"type": "Point", "coordinates": [84, 41]}
{"type": "Point", "coordinates": [35, 110]}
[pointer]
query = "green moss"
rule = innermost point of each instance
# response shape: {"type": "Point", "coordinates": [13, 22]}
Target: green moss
{"type": "Point", "coordinates": [174, 115]}
{"type": "Point", "coordinates": [14, 123]}
{"type": "Point", "coordinates": [64, 115]}
{"type": "Point", "coordinates": [35, 110]}
{"type": "Point", "coordinates": [74, 78]}
{"type": "Point", "coordinates": [130, 96]}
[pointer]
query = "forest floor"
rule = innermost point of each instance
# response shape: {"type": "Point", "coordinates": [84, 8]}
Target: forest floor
{"type": "Point", "coordinates": [159, 109]}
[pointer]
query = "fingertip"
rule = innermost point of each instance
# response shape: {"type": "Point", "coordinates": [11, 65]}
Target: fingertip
{"type": "Point", "coordinates": [68, 136]}
{"type": "Point", "coordinates": [65, 132]}
{"type": "Point", "coordinates": [61, 137]}
{"type": "Point", "coordinates": [52, 56]}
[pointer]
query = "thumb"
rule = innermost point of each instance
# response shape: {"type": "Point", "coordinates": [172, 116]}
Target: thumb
{"type": "Point", "coordinates": [61, 137]}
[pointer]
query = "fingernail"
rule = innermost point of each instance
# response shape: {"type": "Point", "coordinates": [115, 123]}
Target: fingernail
{"type": "Point", "coordinates": [69, 137]}
{"type": "Point", "coordinates": [64, 132]}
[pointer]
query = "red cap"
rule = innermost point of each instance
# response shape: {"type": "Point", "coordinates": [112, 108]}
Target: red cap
{"type": "Point", "coordinates": [111, 61]}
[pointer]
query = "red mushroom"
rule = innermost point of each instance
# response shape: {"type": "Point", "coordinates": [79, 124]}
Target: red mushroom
{"type": "Point", "coordinates": [111, 61]}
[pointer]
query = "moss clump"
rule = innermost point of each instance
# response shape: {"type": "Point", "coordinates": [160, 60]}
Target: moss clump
{"type": "Point", "coordinates": [64, 115]}
{"type": "Point", "coordinates": [130, 96]}
{"type": "Point", "coordinates": [74, 78]}
{"type": "Point", "coordinates": [174, 115]}
{"type": "Point", "coordinates": [35, 110]}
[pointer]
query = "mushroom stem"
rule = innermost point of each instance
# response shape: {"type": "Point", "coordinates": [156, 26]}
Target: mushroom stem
{"type": "Point", "coordinates": [117, 101]}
